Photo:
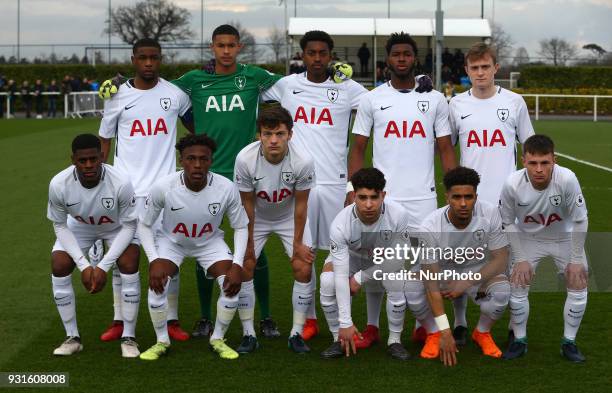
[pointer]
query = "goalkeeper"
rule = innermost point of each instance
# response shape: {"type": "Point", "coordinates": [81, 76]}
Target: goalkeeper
{"type": "Point", "coordinates": [225, 96]}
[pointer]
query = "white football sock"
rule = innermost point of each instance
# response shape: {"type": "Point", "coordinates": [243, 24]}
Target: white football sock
{"type": "Point", "coordinates": [460, 309]}
{"type": "Point", "coordinates": [226, 308]}
{"type": "Point", "coordinates": [301, 298]}
{"type": "Point", "coordinates": [416, 300]}
{"type": "Point", "coordinates": [328, 302]}
{"type": "Point", "coordinates": [130, 296]}
{"type": "Point", "coordinates": [519, 311]}
{"type": "Point", "coordinates": [396, 310]}
{"type": "Point", "coordinates": [312, 309]}
{"type": "Point", "coordinates": [494, 306]}
{"type": "Point", "coordinates": [63, 293]}
{"type": "Point", "coordinates": [374, 299]}
{"type": "Point", "coordinates": [158, 309]}
{"type": "Point", "coordinates": [575, 305]}
{"type": "Point", "coordinates": [117, 294]}
{"type": "Point", "coordinates": [246, 308]}
{"type": "Point", "coordinates": [173, 293]}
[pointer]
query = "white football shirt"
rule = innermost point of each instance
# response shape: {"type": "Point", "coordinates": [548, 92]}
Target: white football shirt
{"type": "Point", "coordinates": [405, 127]}
{"type": "Point", "coordinates": [192, 218]}
{"type": "Point", "coordinates": [487, 131]}
{"type": "Point", "coordinates": [144, 125]}
{"type": "Point", "coordinates": [101, 209]}
{"type": "Point", "coordinates": [484, 230]}
{"type": "Point", "coordinates": [274, 184]}
{"type": "Point", "coordinates": [548, 214]}
{"type": "Point", "coordinates": [321, 120]}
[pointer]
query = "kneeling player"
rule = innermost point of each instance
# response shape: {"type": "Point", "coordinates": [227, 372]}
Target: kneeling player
{"type": "Point", "coordinates": [370, 213]}
{"type": "Point", "coordinates": [544, 214]}
{"type": "Point", "coordinates": [194, 202]}
{"type": "Point", "coordinates": [274, 179]}
{"type": "Point", "coordinates": [87, 201]}
{"type": "Point", "coordinates": [472, 230]}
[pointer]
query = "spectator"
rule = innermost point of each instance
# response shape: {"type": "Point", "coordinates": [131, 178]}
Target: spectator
{"type": "Point", "coordinates": [429, 62]}
{"type": "Point", "coordinates": [364, 58]}
{"type": "Point", "coordinates": [37, 91]}
{"type": "Point", "coordinates": [53, 88]}
{"type": "Point", "coordinates": [26, 98]}
{"type": "Point", "coordinates": [449, 90]}
{"type": "Point", "coordinates": [447, 58]}
{"type": "Point", "coordinates": [85, 86]}
{"type": "Point", "coordinates": [66, 84]}
{"type": "Point", "coordinates": [447, 74]}
{"type": "Point", "coordinates": [335, 57]}
{"type": "Point", "coordinates": [459, 63]}
{"type": "Point", "coordinates": [297, 56]}
{"type": "Point", "coordinates": [2, 97]}
{"type": "Point", "coordinates": [11, 89]}
{"type": "Point", "coordinates": [75, 83]}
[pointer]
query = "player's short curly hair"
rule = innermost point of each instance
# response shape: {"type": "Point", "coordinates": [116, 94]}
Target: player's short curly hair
{"type": "Point", "coordinates": [316, 35]}
{"type": "Point", "coordinates": [226, 29]}
{"type": "Point", "coordinates": [196, 140]}
{"type": "Point", "coordinates": [370, 178]}
{"type": "Point", "coordinates": [272, 118]}
{"type": "Point", "coordinates": [145, 43]}
{"type": "Point", "coordinates": [461, 176]}
{"type": "Point", "coordinates": [401, 38]}
{"type": "Point", "coordinates": [539, 144]}
{"type": "Point", "coordinates": [86, 141]}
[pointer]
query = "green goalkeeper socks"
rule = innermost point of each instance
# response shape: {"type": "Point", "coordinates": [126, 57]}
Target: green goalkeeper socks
{"type": "Point", "coordinates": [205, 289]}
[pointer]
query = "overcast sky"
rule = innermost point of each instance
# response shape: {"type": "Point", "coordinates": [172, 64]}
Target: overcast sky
{"type": "Point", "coordinates": [527, 21]}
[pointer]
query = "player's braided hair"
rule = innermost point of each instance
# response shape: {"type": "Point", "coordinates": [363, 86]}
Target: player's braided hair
{"type": "Point", "coordinates": [146, 43]}
{"type": "Point", "coordinates": [461, 176]}
{"type": "Point", "coordinates": [539, 144]}
{"type": "Point", "coordinates": [316, 35]}
{"type": "Point", "coordinates": [196, 140]}
{"type": "Point", "coordinates": [370, 178]}
{"type": "Point", "coordinates": [272, 118]}
{"type": "Point", "coordinates": [401, 38]}
{"type": "Point", "coordinates": [226, 29]}
{"type": "Point", "coordinates": [86, 141]}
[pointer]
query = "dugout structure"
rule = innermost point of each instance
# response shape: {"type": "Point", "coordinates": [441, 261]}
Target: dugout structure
{"type": "Point", "coordinates": [350, 33]}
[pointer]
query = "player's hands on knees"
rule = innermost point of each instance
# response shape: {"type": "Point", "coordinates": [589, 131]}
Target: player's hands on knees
{"type": "Point", "coordinates": [345, 335]}
{"type": "Point", "coordinates": [303, 253]}
{"type": "Point", "coordinates": [448, 348]}
{"type": "Point", "coordinates": [522, 273]}
{"type": "Point", "coordinates": [249, 255]}
{"type": "Point", "coordinates": [86, 275]}
{"type": "Point", "coordinates": [233, 280]}
{"type": "Point", "coordinates": [98, 280]}
{"type": "Point", "coordinates": [157, 277]}
{"type": "Point", "coordinates": [350, 198]}
{"type": "Point", "coordinates": [576, 276]}
{"type": "Point", "coordinates": [354, 286]}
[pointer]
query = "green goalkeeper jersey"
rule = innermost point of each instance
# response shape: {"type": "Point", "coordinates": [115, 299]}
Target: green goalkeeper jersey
{"type": "Point", "coordinates": [225, 108]}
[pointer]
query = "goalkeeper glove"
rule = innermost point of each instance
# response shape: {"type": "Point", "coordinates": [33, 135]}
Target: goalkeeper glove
{"type": "Point", "coordinates": [110, 87]}
{"type": "Point", "coordinates": [341, 72]}
{"type": "Point", "coordinates": [423, 84]}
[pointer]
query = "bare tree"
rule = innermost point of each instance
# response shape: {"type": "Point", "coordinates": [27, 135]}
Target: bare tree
{"type": "Point", "coordinates": [277, 42]}
{"type": "Point", "coordinates": [502, 42]}
{"type": "Point", "coordinates": [521, 56]}
{"type": "Point", "coordinates": [161, 20]}
{"type": "Point", "coordinates": [557, 50]}
{"type": "Point", "coordinates": [250, 52]}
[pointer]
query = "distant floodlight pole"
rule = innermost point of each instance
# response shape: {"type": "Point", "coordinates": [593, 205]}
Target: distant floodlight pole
{"type": "Point", "coordinates": [202, 32]}
{"type": "Point", "coordinates": [481, 9]}
{"type": "Point", "coordinates": [295, 8]}
{"type": "Point", "coordinates": [286, 38]}
{"type": "Point", "coordinates": [18, 30]}
{"type": "Point", "coordinates": [439, 39]}
{"type": "Point", "coordinates": [388, 9]}
{"type": "Point", "coordinates": [109, 31]}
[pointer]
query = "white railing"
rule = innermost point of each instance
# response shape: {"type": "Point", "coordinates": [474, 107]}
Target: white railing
{"type": "Point", "coordinates": [537, 101]}
{"type": "Point", "coordinates": [7, 113]}
{"type": "Point", "coordinates": [81, 103]}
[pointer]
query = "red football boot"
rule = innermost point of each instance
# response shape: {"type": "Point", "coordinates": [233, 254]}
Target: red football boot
{"type": "Point", "coordinates": [176, 332]}
{"type": "Point", "coordinates": [370, 336]}
{"type": "Point", "coordinates": [310, 330]}
{"type": "Point", "coordinates": [113, 332]}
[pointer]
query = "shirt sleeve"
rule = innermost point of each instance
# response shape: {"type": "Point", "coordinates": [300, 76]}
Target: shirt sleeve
{"type": "Point", "coordinates": [153, 206]}
{"type": "Point", "coordinates": [110, 119]}
{"type": "Point", "coordinates": [275, 92]}
{"type": "Point", "coordinates": [56, 209]}
{"type": "Point", "coordinates": [365, 118]}
{"type": "Point", "coordinates": [524, 126]}
{"type": "Point", "coordinates": [184, 82]}
{"type": "Point", "coordinates": [305, 179]}
{"type": "Point", "coordinates": [441, 125]}
{"type": "Point", "coordinates": [184, 102]}
{"type": "Point", "coordinates": [339, 252]}
{"type": "Point", "coordinates": [574, 200]}
{"type": "Point", "coordinates": [497, 237]}
{"type": "Point", "coordinates": [127, 203]}
{"type": "Point", "coordinates": [242, 177]}
{"type": "Point", "coordinates": [357, 91]}
{"type": "Point", "coordinates": [266, 79]}
{"type": "Point", "coordinates": [452, 120]}
{"type": "Point", "coordinates": [506, 208]}
{"type": "Point", "coordinates": [235, 211]}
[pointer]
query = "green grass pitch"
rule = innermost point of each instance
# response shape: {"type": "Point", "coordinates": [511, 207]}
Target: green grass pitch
{"type": "Point", "coordinates": [31, 152]}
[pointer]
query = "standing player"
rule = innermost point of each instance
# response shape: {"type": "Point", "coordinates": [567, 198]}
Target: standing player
{"type": "Point", "coordinates": [405, 125]}
{"type": "Point", "coordinates": [469, 224]}
{"type": "Point", "coordinates": [100, 201]}
{"type": "Point", "coordinates": [321, 110]}
{"type": "Point", "coordinates": [275, 178]}
{"type": "Point", "coordinates": [486, 121]}
{"type": "Point", "coordinates": [142, 116]}
{"type": "Point", "coordinates": [193, 202]}
{"type": "Point", "coordinates": [544, 214]}
{"type": "Point", "coordinates": [351, 255]}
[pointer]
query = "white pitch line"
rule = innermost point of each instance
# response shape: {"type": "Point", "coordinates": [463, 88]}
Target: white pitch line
{"type": "Point", "coordinates": [605, 168]}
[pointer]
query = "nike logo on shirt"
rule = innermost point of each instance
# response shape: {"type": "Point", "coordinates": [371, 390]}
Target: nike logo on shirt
{"type": "Point", "coordinates": [127, 108]}
{"type": "Point", "coordinates": [258, 179]}
{"type": "Point", "coordinates": [523, 204]}
{"type": "Point", "coordinates": [463, 117]}
{"type": "Point", "coordinates": [205, 86]}
{"type": "Point", "coordinates": [72, 204]}
{"type": "Point", "coordinates": [298, 91]}
{"type": "Point", "coordinates": [176, 208]}
{"type": "Point", "coordinates": [382, 108]}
